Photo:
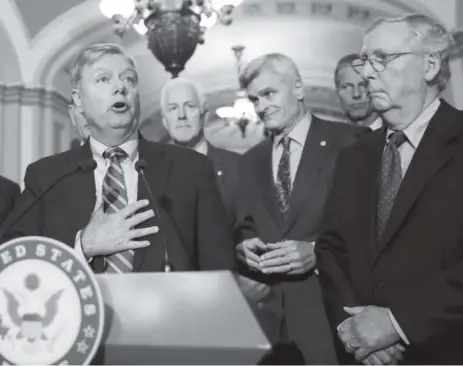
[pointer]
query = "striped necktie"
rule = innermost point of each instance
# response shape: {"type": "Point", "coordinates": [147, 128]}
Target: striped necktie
{"type": "Point", "coordinates": [114, 200]}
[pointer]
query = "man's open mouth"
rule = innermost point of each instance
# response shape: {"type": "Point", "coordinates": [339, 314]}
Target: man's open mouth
{"type": "Point", "coordinates": [120, 107]}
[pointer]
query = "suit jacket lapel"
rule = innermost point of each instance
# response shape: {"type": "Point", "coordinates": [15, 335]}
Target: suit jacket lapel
{"type": "Point", "coordinates": [436, 148]}
{"type": "Point", "coordinates": [84, 198]}
{"type": "Point", "coordinates": [265, 180]}
{"type": "Point", "coordinates": [83, 186]}
{"type": "Point", "coordinates": [156, 173]}
{"type": "Point", "coordinates": [368, 163]}
{"type": "Point", "coordinates": [313, 159]}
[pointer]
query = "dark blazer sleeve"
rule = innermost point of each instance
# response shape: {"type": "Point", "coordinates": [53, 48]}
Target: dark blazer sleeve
{"type": "Point", "coordinates": [433, 310]}
{"type": "Point", "coordinates": [332, 256]}
{"type": "Point", "coordinates": [30, 222]}
{"type": "Point", "coordinates": [9, 193]}
{"type": "Point", "coordinates": [215, 244]}
{"type": "Point", "coordinates": [245, 227]}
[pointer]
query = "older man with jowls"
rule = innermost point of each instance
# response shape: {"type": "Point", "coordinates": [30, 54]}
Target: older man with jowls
{"type": "Point", "coordinates": [184, 114]}
{"type": "Point", "coordinates": [390, 255]}
{"type": "Point", "coordinates": [106, 214]}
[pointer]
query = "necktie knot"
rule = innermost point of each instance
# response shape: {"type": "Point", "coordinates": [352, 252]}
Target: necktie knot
{"type": "Point", "coordinates": [285, 142]}
{"type": "Point", "coordinates": [397, 138]}
{"type": "Point", "coordinates": [115, 153]}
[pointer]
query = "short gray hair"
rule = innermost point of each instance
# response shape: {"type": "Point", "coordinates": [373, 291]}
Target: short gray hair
{"type": "Point", "coordinates": [183, 81]}
{"type": "Point", "coordinates": [91, 54]}
{"type": "Point", "coordinates": [345, 61]}
{"type": "Point", "coordinates": [433, 38]}
{"type": "Point", "coordinates": [277, 62]}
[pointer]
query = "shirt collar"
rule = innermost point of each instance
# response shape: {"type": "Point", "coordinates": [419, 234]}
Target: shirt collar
{"type": "Point", "coordinates": [377, 124]}
{"type": "Point", "coordinates": [415, 130]}
{"type": "Point", "coordinates": [299, 131]}
{"type": "Point", "coordinates": [202, 147]}
{"type": "Point", "coordinates": [98, 148]}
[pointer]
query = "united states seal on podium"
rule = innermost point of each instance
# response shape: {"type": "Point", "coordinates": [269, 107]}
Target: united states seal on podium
{"type": "Point", "coordinates": [51, 308]}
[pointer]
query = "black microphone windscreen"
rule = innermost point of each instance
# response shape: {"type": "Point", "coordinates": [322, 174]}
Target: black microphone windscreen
{"type": "Point", "coordinates": [87, 165]}
{"type": "Point", "coordinates": [140, 165]}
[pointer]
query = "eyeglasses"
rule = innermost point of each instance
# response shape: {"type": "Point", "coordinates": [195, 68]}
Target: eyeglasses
{"type": "Point", "coordinates": [378, 60]}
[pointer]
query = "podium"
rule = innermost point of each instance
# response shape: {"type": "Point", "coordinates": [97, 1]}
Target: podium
{"type": "Point", "coordinates": [182, 318]}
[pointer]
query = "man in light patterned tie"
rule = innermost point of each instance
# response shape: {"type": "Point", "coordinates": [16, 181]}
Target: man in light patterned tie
{"type": "Point", "coordinates": [284, 185]}
{"type": "Point", "coordinates": [390, 256]}
{"type": "Point", "coordinates": [105, 214]}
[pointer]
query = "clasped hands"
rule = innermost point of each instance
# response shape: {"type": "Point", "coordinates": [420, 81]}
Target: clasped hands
{"type": "Point", "coordinates": [288, 257]}
{"type": "Point", "coordinates": [370, 336]}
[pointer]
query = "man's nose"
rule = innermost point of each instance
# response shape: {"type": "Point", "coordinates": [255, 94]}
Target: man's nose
{"type": "Point", "coordinates": [181, 113]}
{"type": "Point", "coordinates": [357, 92]}
{"type": "Point", "coordinates": [119, 88]}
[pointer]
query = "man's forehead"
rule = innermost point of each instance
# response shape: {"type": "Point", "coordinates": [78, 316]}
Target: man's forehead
{"type": "Point", "coordinates": [347, 73]}
{"type": "Point", "coordinates": [387, 36]}
{"type": "Point", "coordinates": [182, 91]}
{"type": "Point", "coordinates": [267, 80]}
{"type": "Point", "coordinates": [110, 62]}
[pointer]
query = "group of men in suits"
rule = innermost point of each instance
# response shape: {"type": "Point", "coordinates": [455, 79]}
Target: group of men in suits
{"type": "Point", "coordinates": [360, 261]}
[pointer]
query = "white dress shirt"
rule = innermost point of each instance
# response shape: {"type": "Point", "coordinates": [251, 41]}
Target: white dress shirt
{"type": "Point", "coordinates": [298, 135]}
{"type": "Point", "coordinates": [201, 147]}
{"type": "Point", "coordinates": [377, 124]}
{"type": "Point", "coordinates": [102, 165]}
{"type": "Point", "coordinates": [414, 133]}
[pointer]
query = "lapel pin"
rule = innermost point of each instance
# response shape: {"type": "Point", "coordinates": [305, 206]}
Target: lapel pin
{"type": "Point", "coordinates": [323, 143]}
{"type": "Point", "coordinates": [219, 173]}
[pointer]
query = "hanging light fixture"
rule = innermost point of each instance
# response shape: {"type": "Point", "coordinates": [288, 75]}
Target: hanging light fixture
{"type": "Point", "coordinates": [242, 112]}
{"type": "Point", "coordinates": [173, 27]}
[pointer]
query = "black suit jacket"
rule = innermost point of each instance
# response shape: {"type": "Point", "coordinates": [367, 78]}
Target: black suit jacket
{"type": "Point", "coordinates": [226, 167]}
{"type": "Point", "coordinates": [9, 192]}
{"type": "Point", "coordinates": [416, 270]}
{"type": "Point", "coordinates": [193, 217]}
{"type": "Point", "coordinates": [297, 299]}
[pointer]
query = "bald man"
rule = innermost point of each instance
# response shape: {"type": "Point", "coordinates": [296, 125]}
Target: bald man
{"type": "Point", "coordinates": [285, 182]}
{"type": "Point", "coordinates": [184, 111]}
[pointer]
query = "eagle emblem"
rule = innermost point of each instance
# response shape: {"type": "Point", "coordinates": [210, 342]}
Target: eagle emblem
{"type": "Point", "coordinates": [31, 325]}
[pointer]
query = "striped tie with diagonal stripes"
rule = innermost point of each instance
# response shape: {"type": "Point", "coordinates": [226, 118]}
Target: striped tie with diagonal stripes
{"type": "Point", "coordinates": [114, 200]}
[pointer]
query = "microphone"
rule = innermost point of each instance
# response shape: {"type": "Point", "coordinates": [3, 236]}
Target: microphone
{"type": "Point", "coordinates": [139, 167]}
{"type": "Point", "coordinates": [84, 166]}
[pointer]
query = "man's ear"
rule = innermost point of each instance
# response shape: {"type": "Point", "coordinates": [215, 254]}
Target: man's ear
{"type": "Point", "coordinates": [77, 100]}
{"type": "Point", "coordinates": [204, 111]}
{"type": "Point", "coordinates": [433, 64]}
{"type": "Point", "coordinates": [164, 121]}
{"type": "Point", "coordinates": [299, 88]}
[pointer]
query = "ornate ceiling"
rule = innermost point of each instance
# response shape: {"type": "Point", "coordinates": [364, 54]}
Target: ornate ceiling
{"type": "Point", "coordinates": [316, 33]}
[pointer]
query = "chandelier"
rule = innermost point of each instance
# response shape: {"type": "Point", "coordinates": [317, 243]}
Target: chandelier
{"type": "Point", "coordinates": [242, 113]}
{"type": "Point", "coordinates": [173, 27]}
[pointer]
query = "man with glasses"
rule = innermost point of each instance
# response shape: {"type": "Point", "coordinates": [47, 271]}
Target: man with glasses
{"type": "Point", "coordinates": [390, 254]}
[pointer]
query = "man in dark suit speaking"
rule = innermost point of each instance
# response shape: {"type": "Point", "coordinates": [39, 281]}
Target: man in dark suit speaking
{"type": "Point", "coordinates": [390, 255]}
{"type": "Point", "coordinates": [184, 113]}
{"type": "Point", "coordinates": [284, 184]}
{"type": "Point", "coordinates": [105, 210]}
